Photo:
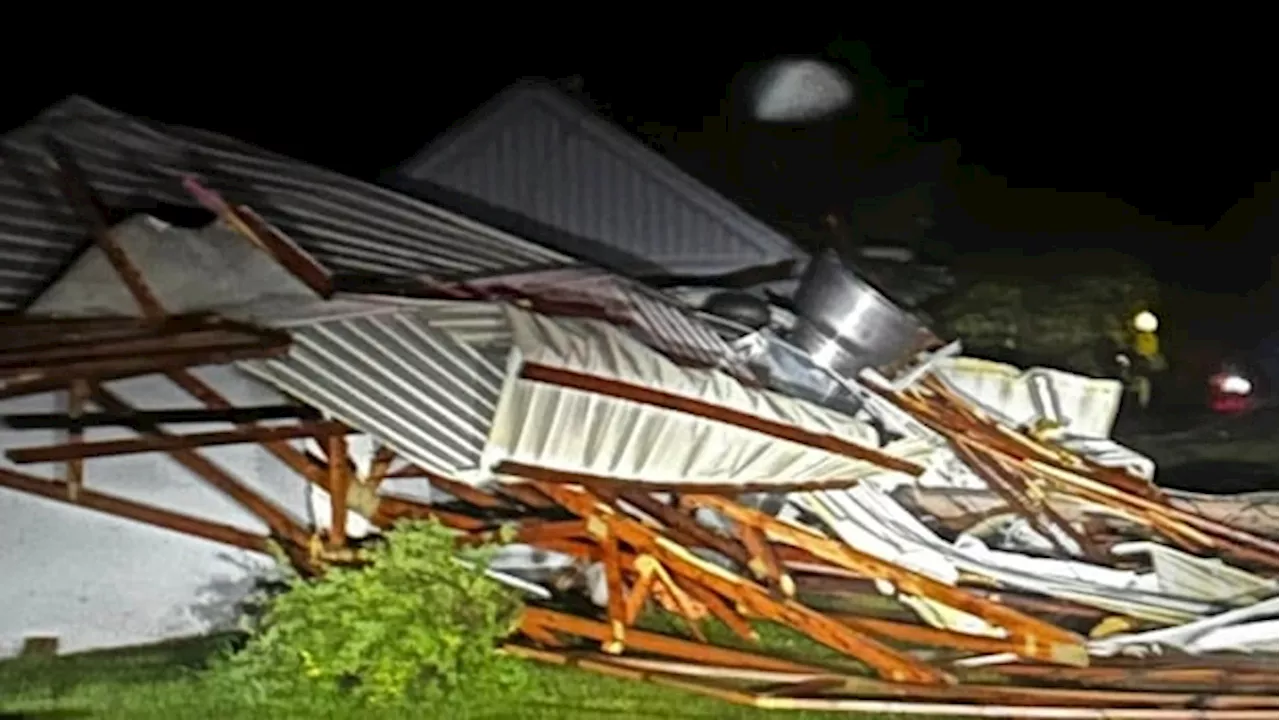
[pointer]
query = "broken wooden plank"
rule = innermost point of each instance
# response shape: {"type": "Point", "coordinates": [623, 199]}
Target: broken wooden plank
{"type": "Point", "coordinates": [673, 518]}
{"type": "Point", "coordinates": [266, 237]}
{"type": "Point", "coordinates": [659, 644]}
{"type": "Point", "coordinates": [1038, 639]}
{"type": "Point", "coordinates": [722, 612]}
{"type": "Point", "coordinates": [764, 563]}
{"type": "Point", "coordinates": [646, 571]}
{"type": "Point", "coordinates": [927, 636]}
{"type": "Point", "coordinates": [680, 561]}
{"type": "Point", "coordinates": [616, 602]}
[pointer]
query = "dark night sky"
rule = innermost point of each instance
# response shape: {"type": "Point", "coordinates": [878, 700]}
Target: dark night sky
{"type": "Point", "coordinates": [1178, 119]}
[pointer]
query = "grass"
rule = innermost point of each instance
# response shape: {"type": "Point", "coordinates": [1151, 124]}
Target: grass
{"type": "Point", "coordinates": [164, 681]}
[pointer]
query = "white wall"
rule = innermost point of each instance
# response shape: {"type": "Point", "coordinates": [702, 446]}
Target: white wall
{"type": "Point", "coordinates": [98, 581]}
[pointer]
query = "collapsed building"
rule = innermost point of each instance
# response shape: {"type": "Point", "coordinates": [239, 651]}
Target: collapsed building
{"type": "Point", "coordinates": [315, 358]}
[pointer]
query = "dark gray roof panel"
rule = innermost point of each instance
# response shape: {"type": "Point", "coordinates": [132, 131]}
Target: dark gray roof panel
{"type": "Point", "coordinates": [536, 162]}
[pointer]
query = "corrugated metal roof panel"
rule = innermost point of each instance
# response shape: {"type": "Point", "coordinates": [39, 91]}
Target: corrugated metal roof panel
{"type": "Point", "coordinates": [538, 163]}
{"type": "Point", "coordinates": [348, 225]}
{"type": "Point", "coordinates": [418, 389]}
{"type": "Point", "coordinates": [657, 320]}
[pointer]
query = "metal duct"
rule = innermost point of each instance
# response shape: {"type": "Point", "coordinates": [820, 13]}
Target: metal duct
{"type": "Point", "coordinates": [847, 325]}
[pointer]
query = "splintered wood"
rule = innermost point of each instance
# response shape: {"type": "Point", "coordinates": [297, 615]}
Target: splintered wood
{"type": "Point", "coordinates": [1007, 458]}
{"type": "Point", "coordinates": [750, 573]}
{"type": "Point", "coordinates": [633, 536]}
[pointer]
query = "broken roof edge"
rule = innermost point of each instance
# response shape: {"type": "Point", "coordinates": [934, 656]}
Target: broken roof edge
{"type": "Point", "coordinates": [618, 140]}
{"type": "Point", "coordinates": [80, 107]}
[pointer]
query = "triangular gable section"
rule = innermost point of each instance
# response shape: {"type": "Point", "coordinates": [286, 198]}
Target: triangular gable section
{"type": "Point", "coordinates": [537, 163]}
{"type": "Point", "coordinates": [187, 270]}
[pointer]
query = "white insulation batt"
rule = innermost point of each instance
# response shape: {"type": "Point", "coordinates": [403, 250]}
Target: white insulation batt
{"type": "Point", "coordinates": [573, 430]}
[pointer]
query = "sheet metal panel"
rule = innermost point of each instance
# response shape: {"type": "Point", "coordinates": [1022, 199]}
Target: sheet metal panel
{"type": "Point", "coordinates": [348, 225]}
{"type": "Point", "coordinates": [544, 166]}
{"type": "Point", "coordinates": [416, 388]}
{"type": "Point", "coordinates": [658, 321]}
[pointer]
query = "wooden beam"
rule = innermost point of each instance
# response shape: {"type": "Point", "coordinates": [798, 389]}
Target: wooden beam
{"type": "Point", "coordinates": [677, 520]}
{"type": "Point", "coordinates": [534, 532]}
{"type": "Point", "coordinates": [526, 494]}
{"type": "Point", "coordinates": [267, 238]}
{"type": "Point", "coordinates": [382, 458]}
{"type": "Point", "coordinates": [617, 602]}
{"type": "Point", "coordinates": [339, 480]}
{"type": "Point", "coordinates": [392, 509]}
{"type": "Point", "coordinates": [764, 563]}
{"type": "Point", "coordinates": [138, 512]}
{"type": "Point", "coordinates": [40, 421]}
{"type": "Point", "coordinates": [82, 199]}
{"type": "Point", "coordinates": [163, 443]}
{"type": "Point", "coordinates": [283, 451]}
{"type": "Point", "coordinates": [1037, 638]}
{"type": "Point", "coordinates": [464, 492]}
{"type": "Point", "coordinates": [646, 567]}
{"type": "Point", "coordinates": [99, 369]}
{"type": "Point", "coordinates": [205, 339]}
{"type": "Point", "coordinates": [927, 636]}
{"type": "Point", "coordinates": [657, 398]}
{"type": "Point", "coordinates": [280, 523]}
{"type": "Point", "coordinates": [725, 614]}
{"type": "Point", "coordinates": [890, 663]}
{"type": "Point", "coordinates": [77, 393]}
{"type": "Point", "coordinates": [658, 644]}
{"type": "Point", "coordinates": [684, 605]}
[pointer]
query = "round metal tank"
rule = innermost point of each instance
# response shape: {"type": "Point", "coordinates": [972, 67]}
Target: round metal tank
{"type": "Point", "coordinates": [847, 325]}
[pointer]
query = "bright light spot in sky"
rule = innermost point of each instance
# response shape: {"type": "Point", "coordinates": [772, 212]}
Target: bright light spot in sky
{"type": "Point", "coordinates": [1236, 385]}
{"type": "Point", "coordinates": [1146, 322]}
{"type": "Point", "coordinates": [799, 90]}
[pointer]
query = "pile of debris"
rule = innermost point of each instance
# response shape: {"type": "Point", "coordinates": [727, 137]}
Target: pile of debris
{"type": "Point", "coordinates": [962, 536]}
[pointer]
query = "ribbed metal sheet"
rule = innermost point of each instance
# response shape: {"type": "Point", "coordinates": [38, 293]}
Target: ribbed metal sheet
{"type": "Point", "coordinates": [347, 225]}
{"type": "Point", "coordinates": [427, 395]}
{"type": "Point", "coordinates": [656, 320]}
{"type": "Point", "coordinates": [589, 189]}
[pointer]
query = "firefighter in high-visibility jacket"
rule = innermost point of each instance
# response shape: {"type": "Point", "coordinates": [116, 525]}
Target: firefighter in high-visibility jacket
{"type": "Point", "coordinates": [1147, 360]}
